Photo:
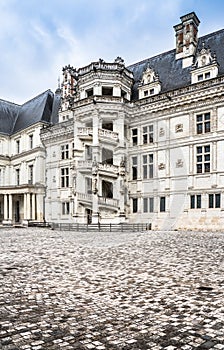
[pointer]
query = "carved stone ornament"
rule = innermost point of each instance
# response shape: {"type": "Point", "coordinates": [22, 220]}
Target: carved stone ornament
{"type": "Point", "coordinates": [162, 166]}
{"type": "Point", "coordinates": [179, 163]}
{"type": "Point", "coordinates": [161, 132]}
{"type": "Point", "coordinates": [204, 57]}
{"type": "Point", "coordinates": [179, 128]}
{"type": "Point", "coordinates": [149, 76]}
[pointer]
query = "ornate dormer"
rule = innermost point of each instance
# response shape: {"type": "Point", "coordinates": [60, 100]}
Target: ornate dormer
{"type": "Point", "coordinates": [149, 84]}
{"type": "Point", "coordinates": [205, 65]}
{"type": "Point", "coordinates": [187, 38]}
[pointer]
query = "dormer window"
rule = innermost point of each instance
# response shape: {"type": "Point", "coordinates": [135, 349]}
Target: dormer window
{"type": "Point", "coordinates": [150, 84]}
{"type": "Point", "coordinates": [205, 66]}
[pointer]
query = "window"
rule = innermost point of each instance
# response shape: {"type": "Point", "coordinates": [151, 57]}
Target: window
{"type": "Point", "coordinates": [17, 176]}
{"type": "Point", "coordinates": [65, 208]}
{"type": "Point", "coordinates": [195, 201]}
{"type": "Point", "coordinates": [135, 205]}
{"type": "Point", "coordinates": [88, 185]}
{"type": "Point", "coordinates": [200, 77]}
{"type": "Point", "coordinates": [134, 137]}
{"type": "Point", "coordinates": [107, 125]}
{"type": "Point", "coordinates": [148, 205]}
{"type": "Point", "coordinates": [151, 91]}
{"type": "Point", "coordinates": [146, 93]}
{"type": "Point", "coordinates": [203, 123]}
{"type": "Point", "coordinates": [31, 141]}
{"type": "Point", "coordinates": [107, 189]}
{"type": "Point", "coordinates": [214, 200]}
{"type": "Point", "coordinates": [147, 134]}
{"type": "Point", "coordinates": [65, 177]}
{"type": "Point", "coordinates": [207, 75]}
{"type": "Point", "coordinates": [17, 146]}
{"type": "Point", "coordinates": [107, 91]}
{"type": "Point", "coordinates": [134, 168]}
{"type": "Point", "coordinates": [162, 204]}
{"type": "Point", "coordinates": [147, 166]}
{"type": "Point", "coordinates": [89, 92]}
{"type": "Point", "coordinates": [65, 151]}
{"type": "Point", "coordinates": [30, 180]}
{"type": "Point", "coordinates": [89, 151]}
{"type": "Point", "coordinates": [203, 159]}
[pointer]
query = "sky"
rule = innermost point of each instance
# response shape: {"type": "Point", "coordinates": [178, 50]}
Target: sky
{"type": "Point", "coordinates": [39, 37]}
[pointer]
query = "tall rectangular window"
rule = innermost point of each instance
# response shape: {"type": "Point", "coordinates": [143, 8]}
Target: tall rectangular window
{"type": "Point", "coordinates": [195, 201]}
{"type": "Point", "coordinates": [134, 168]}
{"type": "Point", "coordinates": [148, 205]}
{"type": "Point", "coordinates": [30, 180]}
{"type": "Point", "coordinates": [88, 185]}
{"type": "Point", "coordinates": [162, 204]}
{"type": "Point", "coordinates": [17, 146]}
{"type": "Point", "coordinates": [203, 123]}
{"type": "Point", "coordinates": [214, 200]}
{"type": "Point", "coordinates": [31, 141]}
{"type": "Point", "coordinates": [65, 208]}
{"type": "Point", "coordinates": [203, 159]}
{"type": "Point", "coordinates": [65, 151]}
{"type": "Point", "coordinates": [64, 177]}
{"type": "Point", "coordinates": [17, 176]}
{"type": "Point", "coordinates": [147, 161]}
{"type": "Point", "coordinates": [135, 205]}
{"type": "Point", "coordinates": [147, 134]}
{"type": "Point", "coordinates": [89, 152]}
{"type": "Point", "coordinates": [134, 137]}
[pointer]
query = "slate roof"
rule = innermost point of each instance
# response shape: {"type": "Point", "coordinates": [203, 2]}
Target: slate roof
{"type": "Point", "coordinates": [41, 108]}
{"type": "Point", "coordinates": [170, 71]}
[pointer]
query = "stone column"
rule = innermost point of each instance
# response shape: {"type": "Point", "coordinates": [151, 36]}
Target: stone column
{"type": "Point", "coordinates": [33, 217]}
{"type": "Point", "coordinates": [10, 207]}
{"type": "Point", "coordinates": [28, 206]}
{"type": "Point", "coordinates": [24, 206]}
{"type": "Point", "coordinates": [5, 207]}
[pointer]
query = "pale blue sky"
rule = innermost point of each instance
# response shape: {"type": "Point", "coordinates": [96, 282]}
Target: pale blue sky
{"type": "Point", "coordinates": [39, 37]}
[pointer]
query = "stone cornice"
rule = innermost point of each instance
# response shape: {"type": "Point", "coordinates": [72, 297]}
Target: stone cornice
{"type": "Point", "coordinates": [58, 131]}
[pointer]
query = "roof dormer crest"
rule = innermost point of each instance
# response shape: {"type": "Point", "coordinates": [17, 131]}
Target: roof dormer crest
{"type": "Point", "coordinates": [149, 76]}
{"type": "Point", "coordinates": [204, 57]}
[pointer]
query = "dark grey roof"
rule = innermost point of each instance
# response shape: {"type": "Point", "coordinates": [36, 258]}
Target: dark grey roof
{"type": "Point", "coordinates": [171, 74]}
{"type": "Point", "coordinates": [14, 117]}
{"type": "Point", "coordinates": [8, 115]}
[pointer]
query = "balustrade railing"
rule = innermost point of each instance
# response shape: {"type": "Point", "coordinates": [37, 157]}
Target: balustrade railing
{"type": "Point", "coordinates": [108, 201]}
{"type": "Point", "coordinates": [103, 133]}
{"type": "Point", "coordinates": [84, 196]}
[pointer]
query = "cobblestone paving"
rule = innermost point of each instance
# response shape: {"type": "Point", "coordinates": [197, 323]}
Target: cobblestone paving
{"type": "Point", "coordinates": [149, 290]}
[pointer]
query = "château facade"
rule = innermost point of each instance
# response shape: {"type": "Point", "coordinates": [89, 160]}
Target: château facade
{"type": "Point", "coordinates": [138, 144]}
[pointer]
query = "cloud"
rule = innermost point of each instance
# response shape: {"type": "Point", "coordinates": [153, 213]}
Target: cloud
{"type": "Point", "coordinates": [39, 37]}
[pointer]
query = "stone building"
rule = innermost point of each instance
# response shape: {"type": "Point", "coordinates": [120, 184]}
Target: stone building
{"type": "Point", "coordinates": [142, 143]}
{"type": "Point", "coordinates": [139, 144]}
{"type": "Point", "coordinates": [22, 158]}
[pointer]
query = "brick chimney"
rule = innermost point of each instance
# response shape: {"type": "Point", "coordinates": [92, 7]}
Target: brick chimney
{"type": "Point", "coordinates": [187, 38]}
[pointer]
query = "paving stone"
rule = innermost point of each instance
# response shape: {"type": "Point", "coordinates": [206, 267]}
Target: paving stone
{"type": "Point", "coordinates": [113, 291]}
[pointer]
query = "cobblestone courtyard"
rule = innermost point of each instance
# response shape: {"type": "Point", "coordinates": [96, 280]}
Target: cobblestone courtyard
{"type": "Point", "coordinates": [149, 290]}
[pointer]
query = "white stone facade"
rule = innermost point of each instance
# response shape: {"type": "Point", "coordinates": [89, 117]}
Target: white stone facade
{"type": "Point", "coordinates": [22, 177]}
{"type": "Point", "coordinates": [153, 158]}
{"type": "Point", "coordinates": [137, 144]}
